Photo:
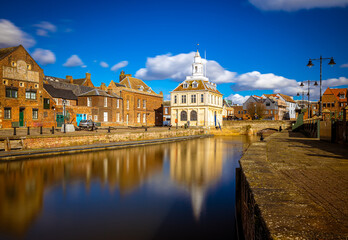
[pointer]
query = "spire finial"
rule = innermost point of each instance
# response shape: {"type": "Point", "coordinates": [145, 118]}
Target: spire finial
{"type": "Point", "coordinates": [197, 46]}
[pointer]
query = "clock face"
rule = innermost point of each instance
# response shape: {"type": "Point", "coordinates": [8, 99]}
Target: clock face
{"type": "Point", "coordinates": [21, 67]}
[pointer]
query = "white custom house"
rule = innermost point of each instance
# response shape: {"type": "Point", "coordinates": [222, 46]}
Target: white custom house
{"type": "Point", "coordinates": [196, 101]}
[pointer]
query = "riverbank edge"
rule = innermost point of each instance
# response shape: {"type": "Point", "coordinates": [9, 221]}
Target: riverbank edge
{"type": "Point", "coordinates": [36, 153]}
{"type": "Point", "coordinates": [248, 210]}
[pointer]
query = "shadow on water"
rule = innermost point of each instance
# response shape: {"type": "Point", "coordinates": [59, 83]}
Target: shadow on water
{"type": "Point", "coordinates": [167, 191]}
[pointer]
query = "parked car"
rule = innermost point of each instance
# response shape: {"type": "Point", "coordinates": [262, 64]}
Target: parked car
{"type": "Point", "coordinates": [166, 124]}
{"type": "Point", "coordinates": [87, 124]}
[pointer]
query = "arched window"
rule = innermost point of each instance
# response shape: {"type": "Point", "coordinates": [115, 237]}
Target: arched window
{"type": "Point", "coordinates": [183, 116]}
{"type": "Point", "coordinates": [193, 115]}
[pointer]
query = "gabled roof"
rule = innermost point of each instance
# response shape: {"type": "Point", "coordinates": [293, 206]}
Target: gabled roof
{"type": "Point", "coordinates": [136, 84]}
{"type": "Point", "coordinates": [6, 51]}
{"type": "Point", "coordinates": [115, 84]}
{"type": "Point", "coordinates": [227, 103]}
{"type": "Point", "coordinates": [287, 98]}
{"type": "Point", "coordinates": [337, 92]}
{"type": "Point", "coordinates": [62, 83]}
{"type": "Point", "coordinates": [60, 93]}
{"type": "Point", "coordinates": [98, 92]}
{"type": "Point", "coordinates": [202, 85]}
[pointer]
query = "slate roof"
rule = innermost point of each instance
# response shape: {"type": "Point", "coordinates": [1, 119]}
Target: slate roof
{"type": "Point", "coordinates": [60, 93]}
{"type": "Point", "coordinates": [98, 92]}
{"type": "Point", "coordinates": [6, 51]}
{"type": "Point", "coordinates": [202, 85]}
{"type": "Point", "coordinates": [116, 84]}
{"type": "Point", "coordinates": [62, 83]}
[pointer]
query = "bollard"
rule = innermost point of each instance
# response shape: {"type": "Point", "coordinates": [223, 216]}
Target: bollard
{"type": "Point", "coordinates": [169, 128]}
{"type": "Point", "coordinates": [14, 131]}
{"type": "Point", "coordinates": [41, 130]}
{"type": "Point", "coordinates": [28, 133]}
{"type": "Point", "coordinates": [145, 129]}
{"type": "Point", "coordinates": [109, 130]}
{"type": "Point", "coordinates": [64, 128]}
{"type": "Point", "coordinates": [261, 137]}
{"type": "Point", "coordinates": [53, 130]}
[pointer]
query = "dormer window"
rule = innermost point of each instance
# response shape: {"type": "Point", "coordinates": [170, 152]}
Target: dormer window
{"type": "Point", "coordinates": [141, 88]}
{"type": "Point", "coordinates": [194, 84]}
{"type": "Point", "coordinates": [342, 96]}
{"type": "Point", "coordinates": [149, 90]}
{"type": "Point", "coordinates": [185, 85]}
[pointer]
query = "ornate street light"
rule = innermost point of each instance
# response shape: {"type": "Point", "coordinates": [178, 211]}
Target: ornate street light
{"type": "Point", "coordinates": [308, 93]}
{"type": "Point", "coordinates": [310, 64]}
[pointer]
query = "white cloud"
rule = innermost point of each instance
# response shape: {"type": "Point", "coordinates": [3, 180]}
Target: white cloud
{"type": "Point", "coordinates": [45, 27]}
{"type": "Point", "coordinates": [74, 61]}
{"type": "Point", "coordinates": [237, 99]}
{"type": "Point", "coordinates": [177, 67]}
{"type": "Point", "coordinates": [344, 65]}
{"type": "Point", "coordinates": [44, 56]}
{"type": "Point", "coordinates": [119, 65]}
{"type": "Point", "coordinates": [104, 64]}
{"type": "Point", "coordinates": [294, 5]}
{"type": "Point", "coordinates": [11, 35]}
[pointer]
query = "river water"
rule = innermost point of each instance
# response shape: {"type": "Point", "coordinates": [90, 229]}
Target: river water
{"type": "Point", "coordinates": [180, 190]}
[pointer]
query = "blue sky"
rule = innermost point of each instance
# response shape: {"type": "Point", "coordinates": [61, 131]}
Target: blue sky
{"type": "Point", "coordinates": [252, 46]}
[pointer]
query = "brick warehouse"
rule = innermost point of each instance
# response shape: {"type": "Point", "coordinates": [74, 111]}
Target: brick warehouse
{"type": "Point", "coordinates": [21, 90]}
{"type": "Point", "coordinates": [29, 98]}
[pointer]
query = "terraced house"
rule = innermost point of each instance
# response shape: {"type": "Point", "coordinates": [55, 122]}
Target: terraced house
{"type": "Point", "coordinates": [196, 101]}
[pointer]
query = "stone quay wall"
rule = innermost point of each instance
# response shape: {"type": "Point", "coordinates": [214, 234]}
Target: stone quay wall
{"type": "Point", "coordinates": [251, 127]}
{"type": "Point", "coordinates": [43, 142]}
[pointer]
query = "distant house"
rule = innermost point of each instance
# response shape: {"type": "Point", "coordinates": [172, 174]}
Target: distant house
{"type": "Point", "coordinates": [274, 106]}
{"type": "Point", "coordinates": [166, 112]}
{"type": "Point", "coordinates": [228, 110]}
{"type": "Point", "coordinates": [106, 107]}
{"type": "Point", "coordinates": [291, 105]}
{"type": "Point", "coordinates": [334, 100]}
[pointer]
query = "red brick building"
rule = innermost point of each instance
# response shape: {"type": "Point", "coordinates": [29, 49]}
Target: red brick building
{"type": "Point", "coordinates": [106, 107]}
{"type": "Point", "coordinates": [141, 105]}
{"type": "Point", "coordinates": [334, 100]}
{"type": "Point", "coordinates": [21, 90]}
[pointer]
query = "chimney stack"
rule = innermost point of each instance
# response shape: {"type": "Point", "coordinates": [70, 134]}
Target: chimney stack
{"type": "Point", "coordinates": [70, 79]}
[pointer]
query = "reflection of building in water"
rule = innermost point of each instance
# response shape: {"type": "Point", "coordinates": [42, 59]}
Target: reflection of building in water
{"type": "Point", "coordinates": [196, 165]}
{"type": "Point", "coordinates": [22, 184]}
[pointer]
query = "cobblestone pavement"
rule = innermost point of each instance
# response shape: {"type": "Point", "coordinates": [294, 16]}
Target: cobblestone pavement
{"type": "Point", "coordinates": [300, 185]}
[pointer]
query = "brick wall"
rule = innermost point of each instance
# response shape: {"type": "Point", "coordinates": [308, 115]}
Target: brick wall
{"type": "Point", "coordinates": [21, 62]}
{"type": "Point", "coordinates": [65, 141]}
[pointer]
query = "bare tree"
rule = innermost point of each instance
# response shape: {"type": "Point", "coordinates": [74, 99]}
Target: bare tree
{"type": "Point", "coordinates": [251, 110]}
{"type": "Point", "coordinates": [256, 110]}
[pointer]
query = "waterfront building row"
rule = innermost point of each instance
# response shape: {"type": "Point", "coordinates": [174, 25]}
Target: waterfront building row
{"type": "Point", "coordinates": [29, 98]}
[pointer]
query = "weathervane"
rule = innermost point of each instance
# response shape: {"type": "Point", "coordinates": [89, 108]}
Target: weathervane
{"type": "Point", "coordinates": [197, 46]}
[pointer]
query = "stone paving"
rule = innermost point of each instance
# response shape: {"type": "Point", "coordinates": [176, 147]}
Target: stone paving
{"type": "Point", "coordinates": [300, 185]}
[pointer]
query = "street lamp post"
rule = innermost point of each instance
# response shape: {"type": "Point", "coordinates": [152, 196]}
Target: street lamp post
{"type": "Point", "coordinates": [310, 64]}
{"type": "Point", "coordinates": [64, 102]}
{"type": "Point", "coordinates": [308, 92]}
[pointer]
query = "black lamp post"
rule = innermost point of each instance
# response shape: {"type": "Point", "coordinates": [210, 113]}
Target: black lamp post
{"type": "Point", "coordinates": [310, 64]}
{"type": "Point", "coordinates": [308, 92]}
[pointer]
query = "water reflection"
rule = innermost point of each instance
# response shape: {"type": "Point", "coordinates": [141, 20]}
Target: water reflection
{"type": "Point", "coordinates": [194, 166]}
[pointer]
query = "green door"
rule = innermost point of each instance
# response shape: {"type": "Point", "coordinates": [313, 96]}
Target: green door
{"type": "Point", "coordinates": [21, 118]}
{"type": "Point", "coordinates": [60, 120]}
